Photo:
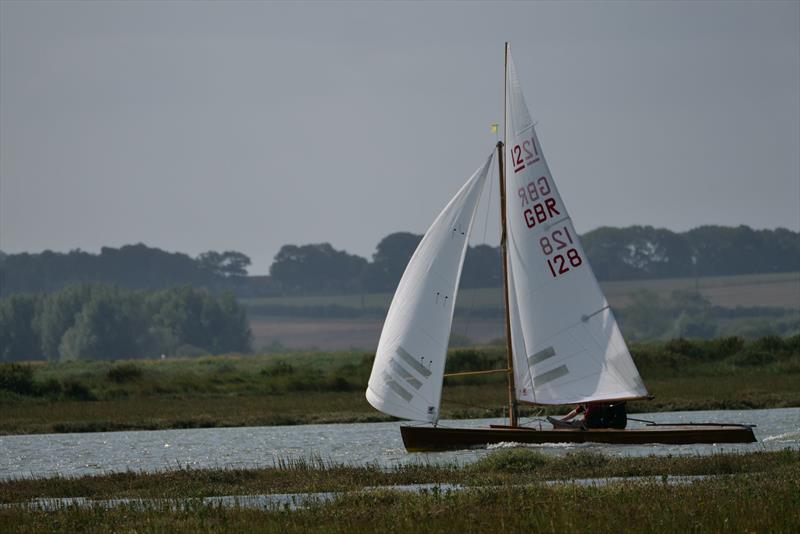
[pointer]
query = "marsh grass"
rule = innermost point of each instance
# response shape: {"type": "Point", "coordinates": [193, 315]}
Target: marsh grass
{"type": "Point", "coordinates": [302, 388]}
{"type": "Point", "coordinates": [758, 492]}
{"type": "Point", "coordinates": [506, 467]}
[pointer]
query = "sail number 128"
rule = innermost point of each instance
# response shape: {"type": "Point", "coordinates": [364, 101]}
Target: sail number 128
{"type": "Point", "coordinates": [562, 262]}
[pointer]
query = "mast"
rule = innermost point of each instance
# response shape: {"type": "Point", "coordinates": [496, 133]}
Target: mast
{"type": "Point", "coordinates": [512, 401]}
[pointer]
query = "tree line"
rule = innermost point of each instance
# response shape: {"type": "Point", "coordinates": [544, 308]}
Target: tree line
{"type": "Point", "coordinates": [632, 253]}
{"type": "Point", "coordinates": [131, 266]}
{"type": "Point", "coordinates": [98, 321]}
{"type": "Point", "coordinates": [635, 252]}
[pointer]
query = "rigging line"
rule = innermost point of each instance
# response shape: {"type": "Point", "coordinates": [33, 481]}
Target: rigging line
{"type": "Point", "coordinates": [471, 307]}
{"type": "Point", "coordinates": [641, 421]}
{"type": "Point", "coordinates": [468, 404]}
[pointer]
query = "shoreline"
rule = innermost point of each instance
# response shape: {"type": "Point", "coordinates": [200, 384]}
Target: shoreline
{"type": "Point", "coordinates": [269, 420]}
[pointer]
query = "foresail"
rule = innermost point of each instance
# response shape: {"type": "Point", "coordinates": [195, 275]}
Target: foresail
{"type": "Point", "coordinates": [406, 379]}
{"type": "Point", "coordinates": [566, 343]}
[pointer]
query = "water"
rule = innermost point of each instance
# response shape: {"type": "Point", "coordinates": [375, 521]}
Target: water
{"type": "Point", "coordinates": [45, 455]}
{"type": "Point", "coordinates": [295, 501]}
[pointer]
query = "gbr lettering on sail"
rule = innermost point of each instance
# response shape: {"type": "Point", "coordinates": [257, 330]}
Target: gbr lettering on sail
{"type": "Point", "coordinates": [539, 206]}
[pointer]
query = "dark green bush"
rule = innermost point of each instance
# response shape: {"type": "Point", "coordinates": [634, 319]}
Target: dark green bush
{"type": "Point", "coordinates": [307, 382]}
{"type": "Point", "coordinates": [279, 368]}
{"type": "Point", "coordinates": [339, 383]}
{"type": "Point", "coordinates": [684, 347]}
{"type": "Point", "coordinates": [723, 347]}
{"type": "Point", "coordinates": [124, 372]}
{"type": "Point", "coordinates": [792, 344]}
{"type": "Point", "coordinates": [77, 390]}
{"type": "Point", "coordinates": [475, 360]}
{"type": "Point", "coordinates": [753, 356]}
{"type": "Point", "coordinates": [772, 344]}
{"type": "Point", "coordinates": [48, 388]}
{"type": "Point", "coordinates": [17, 378]}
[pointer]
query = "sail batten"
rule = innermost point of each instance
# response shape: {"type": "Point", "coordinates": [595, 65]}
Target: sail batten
{"type": "Point", "coordinates": [407, 375]}
{"type": "Point", "coordinates": [566, 343]}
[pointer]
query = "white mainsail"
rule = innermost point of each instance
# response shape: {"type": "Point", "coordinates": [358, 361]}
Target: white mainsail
{"type": "Point", "coordinates": [406, 379]}
{"type": "Point", "coordinates": [566, 343]}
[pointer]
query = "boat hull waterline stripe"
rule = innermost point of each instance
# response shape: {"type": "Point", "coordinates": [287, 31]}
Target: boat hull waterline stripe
{"type": "Point", "coordinates": [549, 376]}
{"type": "Point", "coordinates": [397, 388]}
{"type": "Point", "coordinates": [409, 359]}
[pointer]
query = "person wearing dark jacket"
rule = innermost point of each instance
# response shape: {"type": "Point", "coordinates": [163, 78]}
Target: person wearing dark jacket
{"type": "Point", "coordinates": [595, 415]}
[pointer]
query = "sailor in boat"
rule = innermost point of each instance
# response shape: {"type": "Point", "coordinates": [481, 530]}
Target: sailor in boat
{"type": "Point", "coordinates": [595, 415]}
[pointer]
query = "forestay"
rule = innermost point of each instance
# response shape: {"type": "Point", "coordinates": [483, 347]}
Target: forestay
{"type": "Point", "coordinates": [406, 379]}
{"type": "Point", "coordinates": [566, 343]}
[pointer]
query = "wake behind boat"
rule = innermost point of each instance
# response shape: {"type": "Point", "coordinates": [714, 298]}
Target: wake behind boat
{"type": "Point", "coordinates": [564, 345]}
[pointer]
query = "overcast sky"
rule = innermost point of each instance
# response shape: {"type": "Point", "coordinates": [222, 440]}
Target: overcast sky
{"type": "Point", "coordinates": [214, 126]}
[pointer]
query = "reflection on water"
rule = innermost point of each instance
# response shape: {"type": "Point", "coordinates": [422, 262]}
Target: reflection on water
{"type": "Point", "coordinates": [294, 501]}
{"type": "Point", "coordinates": [357, 444]}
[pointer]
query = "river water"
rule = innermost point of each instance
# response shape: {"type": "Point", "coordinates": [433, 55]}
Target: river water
{"type": "Point", "coordinates": [44, 455]}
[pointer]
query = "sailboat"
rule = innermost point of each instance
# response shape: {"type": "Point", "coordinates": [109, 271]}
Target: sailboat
{"type": "Point", "coordinates": [563, 344]}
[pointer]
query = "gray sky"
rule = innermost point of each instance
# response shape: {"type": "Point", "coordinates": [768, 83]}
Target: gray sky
{"type": "Point", "coordinates": [216, 126]}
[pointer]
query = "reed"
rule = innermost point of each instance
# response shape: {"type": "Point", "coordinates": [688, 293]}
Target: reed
{"type": "Point", "coordinates": [506, 467]}
{"type": "Point", "coordinates": [757, 493]}
{"type": "Point", "coordinates": [304, 388]}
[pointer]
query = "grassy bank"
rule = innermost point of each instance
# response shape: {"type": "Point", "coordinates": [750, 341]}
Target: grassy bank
{"type": "Point", "coordinates": [754, 492]}
{"type": "Point", "coordinates": [321, 388]}
{"type": "Point", "coordinates": [774, 289]}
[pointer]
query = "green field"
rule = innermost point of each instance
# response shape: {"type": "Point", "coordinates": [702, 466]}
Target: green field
{"type": "Point", "coordinates": [780, 290]}
{"type": "Point", "coordinates": [329, 387]}
{"type": "Point", "coordinates": [505, 491]}
{"type": "Point", "coordinates": [345, 322]}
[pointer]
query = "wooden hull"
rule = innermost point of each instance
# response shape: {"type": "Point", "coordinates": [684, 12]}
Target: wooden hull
{"type": "Point", "coordinates": [420, 438]}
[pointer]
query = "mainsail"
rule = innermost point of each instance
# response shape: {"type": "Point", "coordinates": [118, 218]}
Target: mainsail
{"type": "Point", "coordinates": [566, 343]}
{"type": "Point", "coordinates": [406, 379]}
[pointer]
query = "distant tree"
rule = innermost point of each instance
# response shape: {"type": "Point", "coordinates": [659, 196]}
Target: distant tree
{"type": "Point", "coordinates": [317, 268]}
{"type": "Point", "coordinates": [131, 266]}
{"type": "Point", "coordinates": [59, 313]}
{"type": "Point", "coordinates": [389, 261]}
{"type": "Point", "coordinates": [236, 334]}
{"type": "Point", "coordinates": [681, 314]}
{"type": "Point", "coordinates": [483, 267]}
{"type": "Point", "coordinates": [109, 326]}
{"type": "Point", "coordinates": [741, 250]}
{"type": "Point", "coordinates": [188, 316]}
{"type": "Point", "coordinates": [19, 338]}
{"type": "Point", "coordinates": [98, 321]}
{"type": "Point", "coordinates": [638, 252]}
{"type": "Point", "coordinates": [228, 263]}
{"type": "Point", "coordinates": [645, 317]}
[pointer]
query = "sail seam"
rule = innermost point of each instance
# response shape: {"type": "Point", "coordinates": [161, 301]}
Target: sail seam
{"type": "Point", "coordinates": [525, 129]}
{"type": "Point", "coordinates": [600, 358]}
{"type": "Point", "coordinates": [614, 373]}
